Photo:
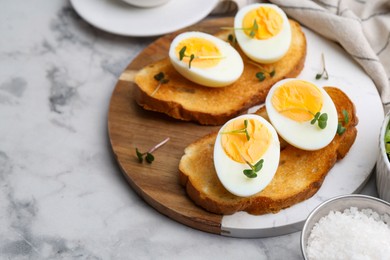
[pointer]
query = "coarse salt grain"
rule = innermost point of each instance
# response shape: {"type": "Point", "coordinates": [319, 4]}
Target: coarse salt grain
{"type": "Point", "coordinates": [352, 234]}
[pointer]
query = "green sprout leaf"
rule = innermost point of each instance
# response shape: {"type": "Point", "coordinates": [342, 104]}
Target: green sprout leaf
{"type": "Point", "coordinates": [341, 124]}
{"type": "Point", "coordinates": [232, 40]}
{"type": "Point", "coordinates": [259, 165]}
{"type": "Point", "coordinates": [149, 157]}
{"type": "Point", "coordinates": [246, 130]}
{"type": "Point", "coordinates": [260, 76]}
{"type": "Point", "coordinates": [316, 116]}
{"type": "Point", "coordinates": [160, 77]}
{"type": "Point", "coordinates": [340, 129]}
{"type": "Point", "coordinates": [346, 116]}
{"type": "Point", "coordinates": [182, 52]}
{"type": "Point", "coordinates": [253, 29]}
{"type": "Point", "coordinates": [192, 57]}
{"type": "Point", "coordinates": [250, 173]}
{"type": "Point", "coordinates": [254, 169]}
{"type": "Point", "coordinates": [139, 155]}
{"type": "Point", "coordinates": [321, 120]}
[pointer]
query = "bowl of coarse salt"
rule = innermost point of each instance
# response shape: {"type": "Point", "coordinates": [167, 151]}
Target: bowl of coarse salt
{"type": "Point", "coordinates": [348, 227]}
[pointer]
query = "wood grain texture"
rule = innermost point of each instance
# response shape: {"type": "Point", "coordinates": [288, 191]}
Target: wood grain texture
{"type": "Point", "coordinates": [129, 126]}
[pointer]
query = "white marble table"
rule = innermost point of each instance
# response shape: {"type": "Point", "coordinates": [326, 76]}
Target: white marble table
{"type": "Point", "coordinates": [62, 195]}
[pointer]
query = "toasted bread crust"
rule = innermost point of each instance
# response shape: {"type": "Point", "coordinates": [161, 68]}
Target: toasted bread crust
{"type": "Point", "coordinates": [188, 101]}
{"type": "Point", "coordinates": [299, 176]}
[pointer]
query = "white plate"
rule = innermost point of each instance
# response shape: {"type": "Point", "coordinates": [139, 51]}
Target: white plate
{"type": "Point", "coordinates": [348, 175]}
{"type": "Point", "coordinates": [117, 17]}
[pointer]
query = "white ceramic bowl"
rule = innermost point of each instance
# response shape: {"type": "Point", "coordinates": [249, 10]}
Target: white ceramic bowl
{"type": "Point", "coordinates": [383, 165]}
{"type": "Point", "coordinates": [340, 203]}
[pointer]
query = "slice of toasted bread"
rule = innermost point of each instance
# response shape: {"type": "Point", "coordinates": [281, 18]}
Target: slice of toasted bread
{"type": "Point", "coordinates": [185, 100]}
{"type": "Point", "coordinates": [300, 173]}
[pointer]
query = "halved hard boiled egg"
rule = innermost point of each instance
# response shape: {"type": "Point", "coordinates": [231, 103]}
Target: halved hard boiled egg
{"type": "Point", "coordinates": [243, 142]}
{"type": "Point", "coordinates": [302, 113]}
{"type": "Point", "coordinates": [263, 32]}
{"type": "Point", "coordinates": [205, 59]}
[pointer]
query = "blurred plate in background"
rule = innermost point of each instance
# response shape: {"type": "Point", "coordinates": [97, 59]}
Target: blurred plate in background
{"type": "Point", "coordinates": [118, 17]}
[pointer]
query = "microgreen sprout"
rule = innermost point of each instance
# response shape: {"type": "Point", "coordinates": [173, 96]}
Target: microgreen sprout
{"type": "Point", "coordinates": [340, 127]}
{"type": "Point", "coordinates": [240, 131]}
{"type": "Point", "coordinates": [321, 119]}
{"type": "Point", "coordinates": [252, 30]}
{"type": "Point", "coordinates": [182, 55]}
{"type": "Point", "coordinates": [263, 71]}
{"type": "Point", "coordinates": [261, 75]}
{"type": "Point", "coordinates": [148, 155]}
{"type": "Point", "coordinates": [324, 71]}
{"type": "Point", "coordinates": [254, 168]}
{"type": "Point", "coordinates": [160, 77]}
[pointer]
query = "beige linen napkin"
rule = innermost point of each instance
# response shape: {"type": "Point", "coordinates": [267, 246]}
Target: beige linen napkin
{"type": "Point", "coordinates": [361, 27]}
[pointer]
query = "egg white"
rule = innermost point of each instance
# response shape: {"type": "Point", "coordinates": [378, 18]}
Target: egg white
{"type": "Point", "coordinates": [267, 50]}
{"type": "Point", "coordinates": [230, 172]}
{"type": "Point", "coordinates": [226, 72]}
{"type": "Point", "coordinates": [304, 135]}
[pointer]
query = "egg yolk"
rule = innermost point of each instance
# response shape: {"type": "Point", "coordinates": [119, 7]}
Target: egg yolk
{"type": "Point", "coordinates": [297, 100]}
{"type": "Point", "coordinates": [206, 52]}
{"type": "Point", "coordinates": [269, 22]}
{"type": "Point", "coordinates": [238, 147]}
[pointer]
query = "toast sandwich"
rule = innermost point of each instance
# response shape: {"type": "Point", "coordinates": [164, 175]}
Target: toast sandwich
{"type": "Point", "coordinates": [299, 176]}
{"type": "Point", "coordinates": [188, 101]}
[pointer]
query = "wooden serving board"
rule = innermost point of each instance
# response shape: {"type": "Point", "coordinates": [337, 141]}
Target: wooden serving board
{"type": "Point", "coordinates": [130, 126]}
